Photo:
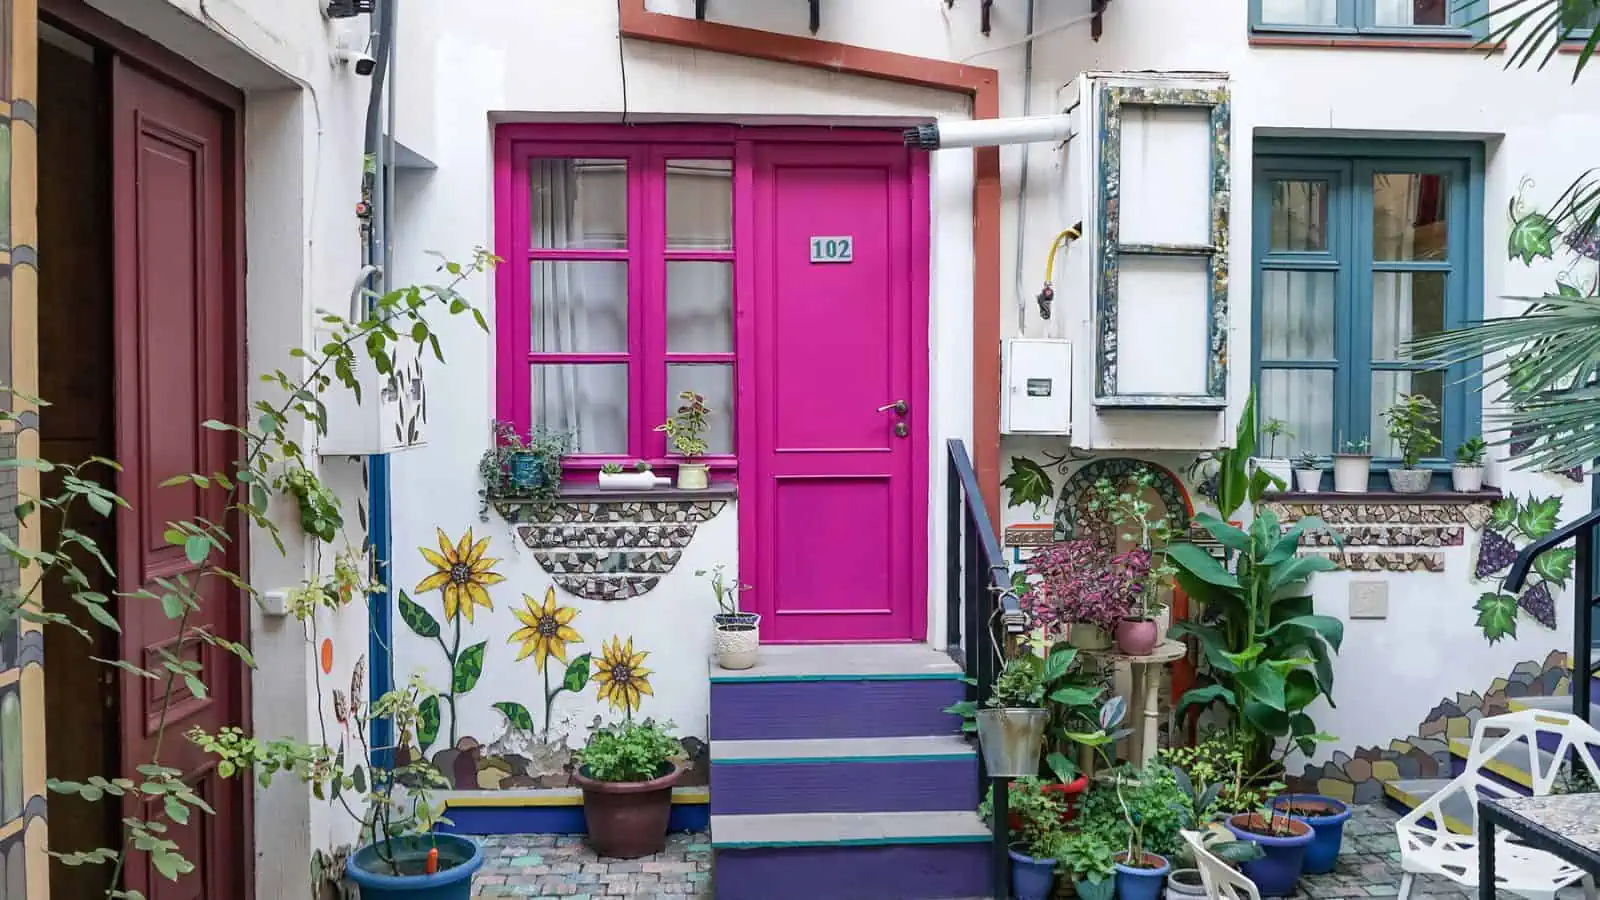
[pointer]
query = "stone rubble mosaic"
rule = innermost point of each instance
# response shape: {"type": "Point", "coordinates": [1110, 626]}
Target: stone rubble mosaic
{"type": "Point", "coordinates": [609, 550]}
{"type": "Point", "coordinates": [1385, 562]}
{"type": "Point", "coordinates": [1385, 513]}
{"type": "Point", "coordinates": [1390, 536]}
{"type": "Point", "coordinates": [1358, 777]}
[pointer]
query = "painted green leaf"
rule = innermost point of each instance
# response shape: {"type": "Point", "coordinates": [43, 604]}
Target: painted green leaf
{"type": "Point", "coordinates": [1532, 237]}
{"type": "Point", "coordinates": [416, 618]}
{"type": "Point", "coordinates": [577, 674]}
{"type": "Point", "coordinates": [469, 668]}
{"type": "Point", "coordinates": [1028, 483]}
{"type": "Point", "coordinates": [1556, 565]}
{"type": "Point", "coordinates": [1504, 515]}
{"type": "Point", "coordinates": [516, 714]}
{"type": "Point", "coordinates": [1497, 616]}
{"type": "Point", "coordinates": [427, 722]}
{"type": "Point", "coordinates": [1538, 517]}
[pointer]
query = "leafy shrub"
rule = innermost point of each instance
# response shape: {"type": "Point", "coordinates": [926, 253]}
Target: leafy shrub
{"type": "Point", "coordinates": [628, 751]}
{"type": "Point", "coordinates": [1154, 803]}
{"type": "Point", "coordinates": [1219, 759]}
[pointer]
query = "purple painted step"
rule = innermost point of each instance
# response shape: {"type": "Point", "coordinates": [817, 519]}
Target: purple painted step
{"type": "Point", "coordinates": [854, 872]}
{"type": "Point", "coordinates": [802, 786]}
{"type": "Point", "coordinates": [880, 706]}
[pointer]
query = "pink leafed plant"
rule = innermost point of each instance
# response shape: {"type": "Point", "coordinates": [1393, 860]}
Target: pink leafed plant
{"type": "Point", "coordinates": [1081, 581]}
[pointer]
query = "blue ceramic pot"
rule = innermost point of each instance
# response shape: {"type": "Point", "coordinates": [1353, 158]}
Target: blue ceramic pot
{"type": "Point", "coordinates": [1031, 879]}
{"type": "Point", "coordinates": [527, 471]}
{"type": "Point", "coordinates": [459, 859]}
{"type": "Point", "coordinates": [1136, 883]}
{"type": "Point", "coordinates": [1276, 873]}
{"type": "Point", "coordinates": [1326, 816]}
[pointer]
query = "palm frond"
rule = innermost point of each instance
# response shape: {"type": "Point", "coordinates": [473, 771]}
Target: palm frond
{"type": "Point", "coordinates": [1537, 29]}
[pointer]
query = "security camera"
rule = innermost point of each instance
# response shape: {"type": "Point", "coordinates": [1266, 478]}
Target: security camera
{"type": "Point", "coordinates": [361, 60]}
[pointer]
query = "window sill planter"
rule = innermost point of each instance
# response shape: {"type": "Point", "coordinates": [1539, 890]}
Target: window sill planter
{"type": "Point", "coordinates": [1410, 481]}
{"type": "Point", "coordinates": [1277, 872]}
{"type": "Point", "coordinates": [1031, 878]}
{"type": "Point", "coordinates": [1011, 739]}
{"type": "Point", "coordinates": [1326, 816]}
{"type": "Point", "coordinates": [459, 859]}
{"type": "Point", "coordinates": [693, 476]}
{"type": "Point", "coordinates": [1466, 479]}
{"type": "Point", "coordinates": [738, 639]}
{"type": "Point", "coordinates": [1142, 881]}
{"type": "Point", "coordinates": [628, 819]}
{"type": "Point", "coordinates": [1350, 473]}
{"type": "Point", "coordinates": [1281, 469]}
{"type": "Point", "coordinates": [526, 470]}
{"type": "Point", "coordinates": [1307, 481]}
{"type": "Point", "coordinates": [630, 481]}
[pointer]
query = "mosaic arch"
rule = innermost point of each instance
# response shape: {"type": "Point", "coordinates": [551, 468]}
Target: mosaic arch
{"type": "Point", "coordinates": [24, 867]}
{"type": "Point", "coordinates": [1075, 519]}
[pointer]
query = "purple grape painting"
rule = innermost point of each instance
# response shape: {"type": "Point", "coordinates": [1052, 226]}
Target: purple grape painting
{"type": "Point", "coordinates": [1537, 602]}
{"type": "Point", "coordinates": [1495, 553]}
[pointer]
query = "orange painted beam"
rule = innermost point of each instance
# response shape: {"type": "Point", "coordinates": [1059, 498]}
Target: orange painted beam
{"type": "Point", "coordinates": [636, 22]}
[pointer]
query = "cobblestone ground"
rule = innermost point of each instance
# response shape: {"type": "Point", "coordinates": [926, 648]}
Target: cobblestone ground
{"type": "Point", "coordinates": [550, 866]}
{"type": "Point", "coordinates": [547, 865]}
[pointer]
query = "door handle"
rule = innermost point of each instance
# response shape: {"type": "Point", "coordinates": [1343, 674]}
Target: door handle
{"type": "Point", "coordinates": [899, 407]}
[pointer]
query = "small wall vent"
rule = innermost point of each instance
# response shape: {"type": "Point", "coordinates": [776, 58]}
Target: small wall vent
{"type": "Point", "coordinates": [349, 9]}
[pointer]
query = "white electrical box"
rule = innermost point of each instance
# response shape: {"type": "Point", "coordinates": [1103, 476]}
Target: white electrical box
{"type": "Point", "coordinates": [392, 414]}
{"type": "Point", "coordinates": [1037, 375]}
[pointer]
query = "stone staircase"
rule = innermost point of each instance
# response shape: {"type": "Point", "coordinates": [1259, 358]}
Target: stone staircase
{"type": "Point", "coordinates": [836, 773]}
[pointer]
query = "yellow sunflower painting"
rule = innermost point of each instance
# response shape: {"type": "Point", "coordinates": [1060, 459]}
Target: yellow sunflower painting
{"type": "Point", "coordinates": [621, 675]}
{"type": "Point", "coordinates": [546, 629]}
{"type": "Point", "coordinates": [462, 571]}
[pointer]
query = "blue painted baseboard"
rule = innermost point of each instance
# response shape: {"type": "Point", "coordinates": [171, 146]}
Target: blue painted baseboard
{"type": "Point", "coordinates": [554, 819]}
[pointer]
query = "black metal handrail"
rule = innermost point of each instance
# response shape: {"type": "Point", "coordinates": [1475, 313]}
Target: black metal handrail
{"type": "Point", "coordinates": [1582, 532]}
{"type": "Point", "coordinates": [980, 612]}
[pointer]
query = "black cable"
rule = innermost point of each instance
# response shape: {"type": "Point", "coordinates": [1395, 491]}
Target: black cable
{"type": "Point", "coordinates": [622, 64]}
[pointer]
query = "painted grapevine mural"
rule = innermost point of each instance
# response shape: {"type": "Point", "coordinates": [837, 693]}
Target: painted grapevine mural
{"type": "Point", "coordinates": [1512, 525]}
{"type": "Point", "coordinates": [534, 746]}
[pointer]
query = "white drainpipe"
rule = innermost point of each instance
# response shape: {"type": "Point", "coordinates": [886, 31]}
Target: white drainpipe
{"type": "Point", "coordinates": [961, 133]}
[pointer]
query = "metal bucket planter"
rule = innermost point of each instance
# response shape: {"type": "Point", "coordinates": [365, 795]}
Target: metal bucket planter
{"type": "Point", "coordinates": [1011, 740]}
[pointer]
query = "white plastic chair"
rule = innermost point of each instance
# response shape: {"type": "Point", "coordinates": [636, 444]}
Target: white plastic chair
{"type": "Point", "coordinates": [1222, 881]}
{"type": "Point", "coordinates": [1432, 848]}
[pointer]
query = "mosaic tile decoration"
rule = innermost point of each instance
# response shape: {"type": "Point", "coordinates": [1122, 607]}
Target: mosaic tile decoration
{"type": "Point", "coordinates": [1358, 777]}
{"type": "Point", "coordinates": [1039, 534]}
{"type": "Point", "coordinates": [603, 550]}
{"type": "Point", "coordinates": [1385, 562]}
{"type": "Point", "coordinates": [1474, 515]}
{"type": "Point", "coordinates": [1390, 536]}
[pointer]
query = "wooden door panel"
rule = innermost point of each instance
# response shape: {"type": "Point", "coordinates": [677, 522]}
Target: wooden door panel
{"type": "Point", "coordinates": [173, 311]}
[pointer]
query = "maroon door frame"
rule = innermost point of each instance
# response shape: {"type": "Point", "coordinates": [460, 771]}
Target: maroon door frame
{"type": "Point", "coordinates": [132, 48]}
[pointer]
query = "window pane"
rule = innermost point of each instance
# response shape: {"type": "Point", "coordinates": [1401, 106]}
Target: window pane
{"type": "Point", "coordinates": [579, 307]}
{"type": "Point", "coordinates": [1409, 215]}
{"type": "Point", "coordinates": [700, 204]}
{"type": "Point", "coordinates": [1405, 305]}
{"type": "Point", "coordinates": [1297, 315]}
{"type": "Point", "coordinates": [579, 204]}
{"type": "Point", "coordinates": [588, 402]}
{"type": "Point", "coordinates": [1299, 216]}
{"type": "Point", "coordinates": [1580, 14]}
{"type": "Point", "coordinates": [1300, 12]}
{"type": "Point", "coordinates": [1412, 12]}
{"type": "Point", "coordinates": [699, 307]}
{"type": "Point", "coordinates": [1387, 389]}
{"type": "Point", "coordinates": [715, 383]}
{"type": "Point", "coordinates": [1302, 398]}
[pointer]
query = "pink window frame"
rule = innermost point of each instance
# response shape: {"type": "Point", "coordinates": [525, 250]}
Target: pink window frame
{"type": "Point", "coordinates": [646, 151]}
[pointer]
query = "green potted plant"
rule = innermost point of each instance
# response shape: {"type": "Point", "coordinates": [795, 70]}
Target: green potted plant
{"type": "Point", "coordinates": [627, 772]}
{"type": "Point", "coordinates": [1352, 467]}
{"type": "Point", "coordinates": [613, 477]}
{"type": "Point", "coordinates": [1307, 473]}
{"type": "Point", "coordinates": [738, 634]}
{"type": "Point", "coordinates": [686, 429]}
{"type": "Point", "coordinates": [1150, 533]}
{"type": "Point", "coordinates": [1011, 725]}
{"type": "Point", "coordinates": [1087, 857]}
{"type": "Point", "coordinates": [1410, 423]}
{"type": "Point", "coordinates": [1277, 467]}
{"type": "Point", "coordinates": [1206, 806]}
{"type": "Point", "coordinates": [1035, 836]}
{"type": "Point", "coordinates": [518, 467]}
{"type": "Point", "coordinates": [1466, 475]}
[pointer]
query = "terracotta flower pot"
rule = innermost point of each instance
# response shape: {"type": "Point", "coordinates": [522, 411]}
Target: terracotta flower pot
{"type": "Point", "coordinates": [628, 819]}
{"type": "Point", "coordinates": [1137, 637]}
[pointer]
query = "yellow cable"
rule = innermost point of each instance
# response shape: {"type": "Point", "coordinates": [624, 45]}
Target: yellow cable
{"type": "Point", "coordinates": [1071, 234]}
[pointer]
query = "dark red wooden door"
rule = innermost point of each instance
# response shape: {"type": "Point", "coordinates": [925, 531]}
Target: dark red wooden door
{"type": "Point", "coordinates": [177, 349]}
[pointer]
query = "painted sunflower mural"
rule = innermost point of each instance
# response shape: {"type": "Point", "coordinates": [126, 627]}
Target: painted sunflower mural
{"type": "Point", "coordinates": [621, 675]}
{"type": "Point", "coordinates": [462, 572]}
{"type": "Point", "coordinates": [546, 631]}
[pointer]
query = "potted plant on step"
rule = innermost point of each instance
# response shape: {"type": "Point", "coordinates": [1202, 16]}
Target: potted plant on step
{"type": "Point", "coordinates": [1466, 475]}
{"type": "Point", "coordinates": [738, 634]}
{"type": "Point", "coordinates": [1276, 466]}
{"type": "Point", "coordinates": [1307, 473]}
{"type": "Point", "coordinates": [1352, 467]}
{"type": "Point", "coordinates": [1410, 423]}
{"type": "Point", "coordinates": [686, 428]}
{"type": "Point", "coordinates": [627, 773]}
{"type": "Point", "coordinates": [1326, 816]}
{"type": "Point", "coordinates": [614, 478]}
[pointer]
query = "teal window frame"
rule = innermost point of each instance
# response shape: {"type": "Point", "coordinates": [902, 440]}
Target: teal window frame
{"type": "Point", "coordinates": [1357, 18]}
{"type": "Point", "coordinates": [1348, 167]}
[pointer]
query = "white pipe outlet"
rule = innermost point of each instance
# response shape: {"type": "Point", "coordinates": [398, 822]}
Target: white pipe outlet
{"type": "Point", "coordinates": [989, 132]}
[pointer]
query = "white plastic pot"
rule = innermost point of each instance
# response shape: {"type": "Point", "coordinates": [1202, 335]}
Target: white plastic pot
{"type": "Point", "coordinates": [1466, 479]}
{"type": "Point", "coordinates": [1308, 481]}
{"type": "Point", "coordinates": [1280, 469]}
{"type": "Point", "coordinates": [1350, 473]}
{"type": "Point", "coordinates": [737, 640]}
{"type": "Point", "coordinates": [627, 481]}
{"type": "Point", "coordinates": [693, 476]}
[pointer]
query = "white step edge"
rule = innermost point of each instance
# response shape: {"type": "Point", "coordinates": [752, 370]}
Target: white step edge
{"type": "Point", "coordinates": [826, 750]}
{"type": "Point", "coordinates": [843, 662]}
{"type": "Point", "coordinates": [846, 829]}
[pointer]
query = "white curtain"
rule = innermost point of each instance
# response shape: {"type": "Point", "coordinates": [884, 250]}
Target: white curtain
{"type": "Point", "coordinates": [1413, 12]}
{"type": "Point", "coordinates": [700, 292]}
{"type": "Point", "coordinates": [1297, 322]}
{"type": "Point", "coordinates": [1300, 12]}
{"type": "Point", "coordinates": [1396, 226]}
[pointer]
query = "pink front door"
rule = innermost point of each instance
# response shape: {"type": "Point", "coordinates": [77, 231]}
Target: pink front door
{"type": "Point", "coordinates": [838, 495]}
